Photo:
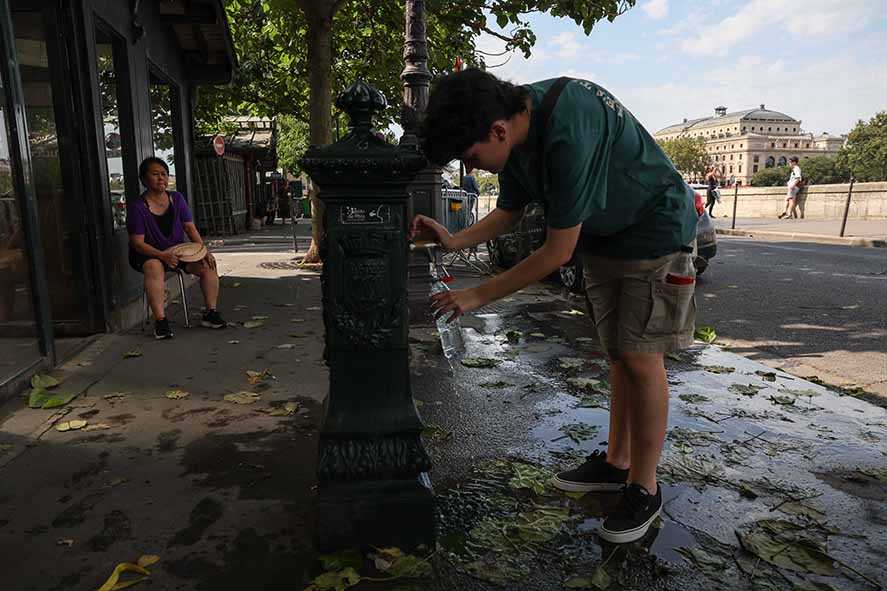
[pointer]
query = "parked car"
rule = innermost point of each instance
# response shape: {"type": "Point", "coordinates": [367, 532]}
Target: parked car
{"type": "Point", "coordinates": [509, 249]}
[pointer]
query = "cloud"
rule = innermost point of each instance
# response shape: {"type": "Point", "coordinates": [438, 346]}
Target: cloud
{"type": "Point", "coordinates": [813, 17]}
{"type": "Point", "coordinates": [853, 91]}
{"type": "Point", "coordinates": [566, 44]}
{"type": "Point", "coordinates": [656, 9]}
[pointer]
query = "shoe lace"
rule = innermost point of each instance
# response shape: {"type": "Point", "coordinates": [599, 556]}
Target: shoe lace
{"type": "Point", "coordinates": [597, 455]}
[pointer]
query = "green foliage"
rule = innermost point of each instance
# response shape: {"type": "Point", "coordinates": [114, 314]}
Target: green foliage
{"type": "Point", "coordinates": [771, 177]}
{"type": "Point", "coordinates": [822, 170]}
{"type": "Point", "coordinates": [292, 141]}
{"type": "Point", "coordinates": [271, 41]}
{"type": "Point", "coordinates": [687, 154]}
{"type": "Point", "coordinates": [865, 154]}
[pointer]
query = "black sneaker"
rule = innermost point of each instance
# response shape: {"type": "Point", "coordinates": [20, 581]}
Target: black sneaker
{"type": "Point", "coordinates": [162, 329]}
{"type": "Point", "coordinates": [212, 319]}
{"type": "Point", "coordinates": [636, 512]}
{"type": "Point", "coordinates": [595, 475]}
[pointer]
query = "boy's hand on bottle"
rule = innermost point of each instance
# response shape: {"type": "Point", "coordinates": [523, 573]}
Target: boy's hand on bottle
{"type": "Point", "coordinates": [423, 228]}
{"type": "Point", "coordinates": [455, 303]}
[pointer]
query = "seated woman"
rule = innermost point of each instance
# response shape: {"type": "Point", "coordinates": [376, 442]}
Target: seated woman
{"type": "Point", "coordinates": [156, 222]}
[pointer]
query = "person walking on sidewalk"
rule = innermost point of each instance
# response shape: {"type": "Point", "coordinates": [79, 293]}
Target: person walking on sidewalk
{"type": "Point", "coordinates": [156, 222]}
{"type": "Point", "coordinates": [711, 196]}
{"type": "Point", "coordinates": [571, 145]}
{"type": "Point", "coordinates": [793, 189]}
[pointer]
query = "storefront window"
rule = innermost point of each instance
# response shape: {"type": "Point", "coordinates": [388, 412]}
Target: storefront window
{"type": "Point", "coordinates": [19, 347]}
{"type": "Point", "coordinates": [60, 216]}
{"type": "Point", "coordinates": [107, 68]}
{"type": "Point", "coordinates": [164, 98]}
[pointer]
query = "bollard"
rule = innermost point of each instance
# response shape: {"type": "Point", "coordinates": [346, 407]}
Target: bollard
{"type": "Point", "coordinates": [847, 207]}
{"type": "Point", "coordinates": [372, 470]}
{"type": "Point", "coordinates": [735, 201]}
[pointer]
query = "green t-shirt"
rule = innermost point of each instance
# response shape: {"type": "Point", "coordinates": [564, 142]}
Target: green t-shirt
{"type": "Point", "coordinates": [604, 171]}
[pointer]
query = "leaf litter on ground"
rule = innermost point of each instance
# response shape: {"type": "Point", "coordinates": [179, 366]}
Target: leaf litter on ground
{"type": "Point", "coordinates": [744, 389]}
{"type": "Point", "coordinates": [479, 362]}
{"type": "Point", "coordinates": [177, 394]}
{"type": "Point", "coordinates": [706, 334]}
{"type": "Point", "coordinates": [720, 369]}
{"type": "Point", "coordinates": [74, 425]}
{"type": "Point", "coordinates": [257, 377]}
{"type": "Point", "coordinates": [242, 397]}
{"type": "Point", "coordinates": [578, 432]}
{"type": "Point", "coordinates": [570, 363]}
{"type": "Point", "coordinates": [694, 398]}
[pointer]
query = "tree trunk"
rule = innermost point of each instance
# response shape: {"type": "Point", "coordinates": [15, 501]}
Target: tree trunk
{"type": "Point", "coordinates": [319, 14]}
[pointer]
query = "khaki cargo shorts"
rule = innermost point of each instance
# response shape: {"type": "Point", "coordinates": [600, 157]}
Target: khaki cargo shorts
{"type": "Point", "coordinates": [634, 309]}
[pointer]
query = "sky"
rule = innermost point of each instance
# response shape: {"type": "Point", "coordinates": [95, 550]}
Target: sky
{"type": "Point", "coordinates": [821, 61]}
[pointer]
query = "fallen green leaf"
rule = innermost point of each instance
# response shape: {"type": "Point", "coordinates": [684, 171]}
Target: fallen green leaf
{"type": "Point", "coordinates": [261, 317]}
{"type": "Point", "coordinates": [786, 545]}
{"type": "Point", "coordinates": [335, 581]}
{"type": "Point", "coordinates": [718, 369]}
{"type": "Point", "coordinates": [744, 389]}
{"type": "Point", "coordinates": [513, 336]}
{"type": "Point", "coordinates": [43, 382]}
{"type": "Point", "coordinates": [570, 363]}
{"type": "Point", "coordinates": [806, 393]}
{"type": "Point", "coordinates": [479, 362]}
{"type": "Point", "coordinates": [704, 561]}
{"type": "Point", "coordinates": [782, 400]}
{"type": "Point", "coordinates": [573, 312]}
{"type": "Point", "coordinates": [578, 432]}
{"type": "Point", "coordinates": [131, 354]}
{"type": "Point", "coordinates": [496, 385]}
{"type": "Point", "coordinates": [578, 583]}
{"type": "Point", "coordinates": [583, 383]}
{"type": "Point", "coordinates": [39, 398]}
{"type": "Point", "coordinates": [802, 510]}
{"type": "Point", "coordinates": [435, 433]}
{"type": "Point", "coordinates": [242, 397]}
{"type": "Point", "coordinates": [706, 334]}
{"type": "Point", "coordinates": [177, 394]}
{"type": "Point", "coordinates": [769, 376]}
{"type": "Point", "coordinates": [600, 580]}
{"type": "Point", "coordinates": [253, 324]}
{"type": "Point", "coordinates": [286, 410]}
{"type": "Point", "coordinates": [693, 398]}
{"type": "Point", "coordinates": [874, 473]}
{"type": "Point", "coordinates": [350, 557]}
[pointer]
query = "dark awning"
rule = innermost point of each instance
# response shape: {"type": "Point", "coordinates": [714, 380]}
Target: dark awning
{"type": "Point", "coordinates": [204, 36]}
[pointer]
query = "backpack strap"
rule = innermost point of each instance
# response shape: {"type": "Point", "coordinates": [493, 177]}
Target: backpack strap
{"type": "Point", "coordinates": [549, 100]}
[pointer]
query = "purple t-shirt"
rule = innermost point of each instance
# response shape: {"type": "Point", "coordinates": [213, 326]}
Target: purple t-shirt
{"type": "Point", "coordinates": [140, 220]}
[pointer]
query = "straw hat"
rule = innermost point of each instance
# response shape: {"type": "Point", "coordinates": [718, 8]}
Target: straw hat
{"type": "Point", "coordinates": [189, 252]}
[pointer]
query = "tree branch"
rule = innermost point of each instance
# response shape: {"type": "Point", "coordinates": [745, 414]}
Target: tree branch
{"type": "Point", "coordinates": [499, 35]}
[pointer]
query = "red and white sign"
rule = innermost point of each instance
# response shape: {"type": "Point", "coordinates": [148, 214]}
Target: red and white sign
{"type": "Point", "coordinates": [219, 144]}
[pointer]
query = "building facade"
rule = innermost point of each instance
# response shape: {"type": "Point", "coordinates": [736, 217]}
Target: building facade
{"type": "Point", "coordinates": [90, 88]}
{"type": "Point", "coordinates": [743, 142]}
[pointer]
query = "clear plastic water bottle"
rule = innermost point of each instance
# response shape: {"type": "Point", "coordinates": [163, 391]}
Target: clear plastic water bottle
{"type": "Point", "coordinates": [682, 271]}
{"type": "Point", "coordinates": [450, 332]}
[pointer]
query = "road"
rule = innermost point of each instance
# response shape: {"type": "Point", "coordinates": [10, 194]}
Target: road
{"type": "Point", "coordinates": [810, 309]}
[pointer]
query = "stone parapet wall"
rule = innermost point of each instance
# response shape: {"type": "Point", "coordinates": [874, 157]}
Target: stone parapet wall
{"type": "Point", "coordinates": [818, 202]}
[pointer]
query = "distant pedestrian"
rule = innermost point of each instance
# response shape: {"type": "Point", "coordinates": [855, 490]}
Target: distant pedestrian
{"type": "Point", "coordinates": [795, 181]}
{"type": "Point", "coordinates": [469, 184]}
{"type": "Point", "coordinates": [711, 195]}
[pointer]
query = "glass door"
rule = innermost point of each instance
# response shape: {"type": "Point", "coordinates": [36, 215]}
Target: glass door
{"type": "Point", "coordinates": [19, 344]}
{"type": "Point", "coordinates": [61, 210]}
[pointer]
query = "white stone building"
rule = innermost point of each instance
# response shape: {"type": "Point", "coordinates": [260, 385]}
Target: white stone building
{"type": "Point", "coordinates": [743, 142]}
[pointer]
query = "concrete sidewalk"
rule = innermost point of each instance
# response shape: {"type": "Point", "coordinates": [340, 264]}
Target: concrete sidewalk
{"type": "Point", "coordinates": [867, 233]}
{"type": "Point", "coordinates": [223, 492]}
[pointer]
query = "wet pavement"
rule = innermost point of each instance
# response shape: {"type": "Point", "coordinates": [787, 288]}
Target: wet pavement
{"type": "Point", "coordinates": [746, 443]}
{"type": "Point", "coordinates": [223, 492]}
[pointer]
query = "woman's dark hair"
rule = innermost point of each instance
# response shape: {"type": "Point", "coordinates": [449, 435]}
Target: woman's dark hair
{"type": "Point", "coordinates": [143, 167]}
{"type": "Point", "coordinates": [793, 159]}
{"type": "Point", "coordinates": [462, 108]}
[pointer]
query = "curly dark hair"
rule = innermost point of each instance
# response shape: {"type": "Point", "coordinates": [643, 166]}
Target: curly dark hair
{"type": "Point", "coordinates": [462, 108]}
